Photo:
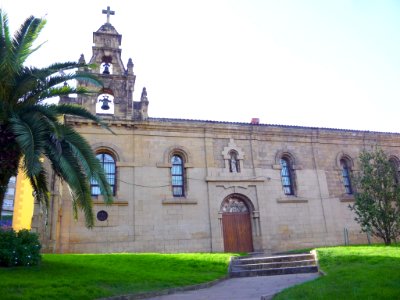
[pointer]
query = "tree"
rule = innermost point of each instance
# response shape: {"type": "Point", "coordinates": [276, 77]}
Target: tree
{"type": "Point", "coordinates": [31, 129]}
{"type": "Point", "coordinates": [377, 196]}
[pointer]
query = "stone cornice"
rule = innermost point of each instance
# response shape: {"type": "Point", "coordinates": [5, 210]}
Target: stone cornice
{"type": "Point", "coordinates": [261, 133]}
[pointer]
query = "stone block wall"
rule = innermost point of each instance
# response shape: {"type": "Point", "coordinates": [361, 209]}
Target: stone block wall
{"type": "Point", "coordinates": [145, 217]}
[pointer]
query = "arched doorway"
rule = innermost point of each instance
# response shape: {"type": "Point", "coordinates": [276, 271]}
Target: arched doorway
{"type": "Point", "coordinates": [236, 224]}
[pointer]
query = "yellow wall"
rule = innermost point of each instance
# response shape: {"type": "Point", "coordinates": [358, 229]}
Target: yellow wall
{"type": "Point", "coordinates": [23, 203]}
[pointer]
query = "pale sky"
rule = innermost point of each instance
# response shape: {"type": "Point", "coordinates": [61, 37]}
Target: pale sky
{"type": "Point", "coordinates": [296, 62]}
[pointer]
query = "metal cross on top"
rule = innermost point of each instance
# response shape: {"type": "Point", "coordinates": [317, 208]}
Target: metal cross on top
{"type": "Point", "coordinates": [108, 12]}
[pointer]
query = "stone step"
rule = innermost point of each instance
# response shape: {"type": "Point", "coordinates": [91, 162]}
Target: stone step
{"type": "Point", "coordinates": [261, 265]}
{"type": "Point", "coordinates": [273, 265]}
{"type": "Point", "coordinates": [270, 259]}
{"type": "Point", "coordinates": [275, 271]}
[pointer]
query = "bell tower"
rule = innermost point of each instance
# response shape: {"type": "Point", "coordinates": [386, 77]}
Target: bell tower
{"type": "Point", "coordinates": [115, 98]}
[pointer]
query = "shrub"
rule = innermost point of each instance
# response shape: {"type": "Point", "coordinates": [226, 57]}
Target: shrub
{"type": "Point", "coordinates": [20, 248]}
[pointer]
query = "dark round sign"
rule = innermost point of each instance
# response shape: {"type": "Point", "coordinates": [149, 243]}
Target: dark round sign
{"type": "Point", "coordinates": [102, 215]}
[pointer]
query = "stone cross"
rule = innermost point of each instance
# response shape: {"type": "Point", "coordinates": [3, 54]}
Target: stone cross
{"type": "Point", "coordinates": [108, 12]}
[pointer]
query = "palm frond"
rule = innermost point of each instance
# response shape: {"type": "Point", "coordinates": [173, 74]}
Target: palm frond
{"type": "Point", "coordinates": [39, 185]}
{"type": "Point", "coordinates": [57, 78]}
{"type": "Point", "coordinates": [71, 171]}
{"type": "Point", "coordinates": [78, 182]}
{"type": "Point", "coordinates": [25, 87]}
{"type": "Point", "coordinates": [8, 65]}
{"type": "Point", "coordinates": [85, 77]}
{"type": "Point", "coordinates": [30, 134]}
{"type": "Point", "coordinates": [90, 164]}
{"type": "Point", "coordinates": [76, 110]}
{"type": "Point", "coordinates": [25, 37]}
{"type": "Point", "coordinates": [35, 85]}
{"type": "Point", "coordinates": [62, 66]}
{"type": "Point", "coordinates": [61, 91]}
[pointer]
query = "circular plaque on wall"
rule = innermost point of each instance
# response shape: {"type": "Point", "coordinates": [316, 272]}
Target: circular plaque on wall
{"type": "Point", "coordinates": [102, 215]}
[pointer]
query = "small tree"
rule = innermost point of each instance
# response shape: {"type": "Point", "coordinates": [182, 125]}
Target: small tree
{"type": "Point", "coordinates": [377, 196]}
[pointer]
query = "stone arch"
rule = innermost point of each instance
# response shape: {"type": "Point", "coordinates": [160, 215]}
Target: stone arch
{"type": "Point", "coordinates": [177, 150]}
{"type": "Point", "coordinates": [393, 158]}
{"type": "Point", "coordinates": [284, 153]}
{"type": "Point", "coordinates": [232, 147]}
{"type": "Point", "coordinates": [110, 148]}
{"type": "Point", "coordinates": [344, 156]}
{"type": "Point", "coordinates": [237, 199]}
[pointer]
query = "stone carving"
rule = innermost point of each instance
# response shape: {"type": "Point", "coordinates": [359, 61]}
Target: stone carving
{"type": "Point", "coordinates": [233, 157]}
{"type": "Point", "coordinates": [233, 205]}
{"type": "Point", "coordinates": [234, 168]}
{"type": "Point", "coordinates": [109, 13]}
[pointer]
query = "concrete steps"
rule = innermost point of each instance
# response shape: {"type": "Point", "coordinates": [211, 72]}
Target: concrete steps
{"type": "Point", "coordinates": [261, 265]}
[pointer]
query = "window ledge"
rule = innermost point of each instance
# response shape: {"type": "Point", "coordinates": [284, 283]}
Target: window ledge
{"type": "Point", "coordinates": [115, 203]}
{"type": "Point", "coordinates": [126, 164]}
{"type": "Point", "coordinates": [99, 200]}
{"type": "Point", "coordinates": [294, 167]}
{"type": "Point", "coordinates": [291, 199]}
{"type": "Point", "coordinates": [347, 198]}
{"type": "Point", "coordinates": [235, 177]}
{"type": "Point", "coordinates": [178, 200]}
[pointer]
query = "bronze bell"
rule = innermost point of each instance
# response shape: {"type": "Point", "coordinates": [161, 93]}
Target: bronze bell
{"type": "Point", "coordinates": [105, 101]}
{"type": "Point", "coordinates": [106, 69]}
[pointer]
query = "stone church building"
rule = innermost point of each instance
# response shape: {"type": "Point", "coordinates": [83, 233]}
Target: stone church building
{"type": "Point", "coordinates": [204, 186]}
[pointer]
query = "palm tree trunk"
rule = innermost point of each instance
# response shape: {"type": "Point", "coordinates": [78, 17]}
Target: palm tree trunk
{"type": "Point", "coordinates": [9, 160]}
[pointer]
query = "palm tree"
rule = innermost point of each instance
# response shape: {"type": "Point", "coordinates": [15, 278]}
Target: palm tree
{"type": "Point", "coordinates": [31, 129]}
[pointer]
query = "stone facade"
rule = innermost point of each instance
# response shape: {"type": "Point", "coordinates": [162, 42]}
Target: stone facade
{"type": "Point", "coordinates": [146, 217]}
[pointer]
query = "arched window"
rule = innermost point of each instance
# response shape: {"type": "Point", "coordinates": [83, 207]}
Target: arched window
{"type": "Point", "coordinates": [108, 163]}
{"type": "Point", "coordinates": [234, 166]}
{"type": "Point", "coordinates": [395, 165]}
{"type": "Point", "coordinates": [346, 171]}
{"type": "Point", "coordinates": [177, 176]}
{"type": "Point", "coordinates": [287, 176]}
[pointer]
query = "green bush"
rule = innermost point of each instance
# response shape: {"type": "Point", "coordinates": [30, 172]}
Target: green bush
{"type": "Point", "coordinates": [20, 248]}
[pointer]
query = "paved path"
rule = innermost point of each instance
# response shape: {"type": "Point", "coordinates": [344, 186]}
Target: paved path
{"type": "Point", "coordinates": [246, 288]}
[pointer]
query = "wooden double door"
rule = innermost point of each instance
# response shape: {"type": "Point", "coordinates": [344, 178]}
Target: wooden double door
{"type": "Point", "coordinates": [237, 234]}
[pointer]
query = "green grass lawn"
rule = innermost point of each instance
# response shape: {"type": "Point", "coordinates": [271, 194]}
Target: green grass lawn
{"type": "Point", "coordinates": [356, 272]}
{"type": "Point", "coordinates": [90, 276]}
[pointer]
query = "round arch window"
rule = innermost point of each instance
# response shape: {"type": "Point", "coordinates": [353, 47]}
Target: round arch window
{"type": "Point", "coordinates": [109, 166]}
